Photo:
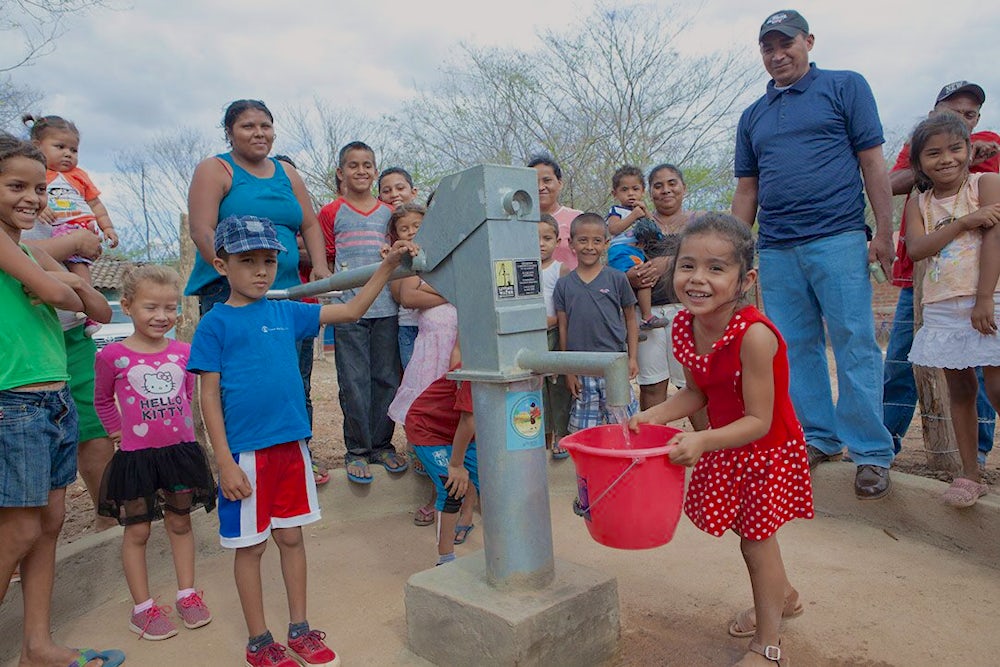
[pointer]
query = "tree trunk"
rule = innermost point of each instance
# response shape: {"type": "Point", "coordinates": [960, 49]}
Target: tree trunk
{"type": "Point", "coordinates": [935, 413]}
{"type": "Point", "coordinates": [188, 321]}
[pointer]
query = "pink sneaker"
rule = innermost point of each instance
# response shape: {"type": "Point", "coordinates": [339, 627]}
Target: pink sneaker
{"type": "Point", "coordinates": [310, 649]}
{"type": "Point", "coordinates": [272, 655]}
{"type": "Point", "coordinates": [153, 623]}
{"type": "Point", "coordinates": [193, 611]}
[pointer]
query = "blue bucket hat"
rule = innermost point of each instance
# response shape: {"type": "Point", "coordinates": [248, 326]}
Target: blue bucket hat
{"type": "Point", "coordinates": [244, 233]}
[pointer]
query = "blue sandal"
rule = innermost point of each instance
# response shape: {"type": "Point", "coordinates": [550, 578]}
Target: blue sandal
{"type": "Point", "coordinates": [108, 658]}
{"type": "Point", "coordinates": [357, 479]}
{"type": "Point", "coordinates": [462, 533]}
{"type": "Point", "coordinates": [385, 457]}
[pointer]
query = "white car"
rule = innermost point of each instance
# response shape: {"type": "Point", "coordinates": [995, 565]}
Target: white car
{"type": "Point", "coordinates": [118, 329]}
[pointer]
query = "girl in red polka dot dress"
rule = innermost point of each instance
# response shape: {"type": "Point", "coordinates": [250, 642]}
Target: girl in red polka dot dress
{"type": "Point", "coordinates": [751, 471]}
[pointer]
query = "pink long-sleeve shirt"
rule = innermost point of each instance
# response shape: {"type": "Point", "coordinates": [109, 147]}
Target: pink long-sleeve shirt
{"type": "Point", "coordinates": [145, 396]}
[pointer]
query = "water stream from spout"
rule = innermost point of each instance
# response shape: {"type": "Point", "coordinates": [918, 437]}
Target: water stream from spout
{"type": "Point", "coordinates": [619, 414]}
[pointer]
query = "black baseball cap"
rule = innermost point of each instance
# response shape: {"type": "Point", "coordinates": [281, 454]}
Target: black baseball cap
{"type": "Point", "coordinates": [957, 87]}
{"type": "Point", "coordinates": [786, 21]}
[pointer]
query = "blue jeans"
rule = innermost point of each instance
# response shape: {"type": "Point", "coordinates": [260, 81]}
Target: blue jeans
{"type": "Point", "coordinates": [368, 372]}
{"type": "Point", "coordinates": [305, 370]}
{"type": "Point", "coordinates": [215, 292]}
{"type": "Point", "coordinates": [826, 281]}
{"type": "Point", "coordinates": [38, 433]}
{"type": "Point", "coordinates": [900, 391]}
{"type": "Point", "coordinates": [407, 337]}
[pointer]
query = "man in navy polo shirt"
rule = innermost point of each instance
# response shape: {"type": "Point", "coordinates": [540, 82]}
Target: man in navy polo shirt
{"type": "Point", "coordinates": [801, 152]}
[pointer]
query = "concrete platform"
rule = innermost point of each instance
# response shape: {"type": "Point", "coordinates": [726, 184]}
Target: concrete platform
{"type": "Point", "coordinates": [901, 581]}
{"type": "Point", "coordinates": [571, 622]}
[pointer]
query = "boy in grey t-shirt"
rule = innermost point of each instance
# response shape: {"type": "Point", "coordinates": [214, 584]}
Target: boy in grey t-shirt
{"type": "Point", "coordinates": [595, 307]}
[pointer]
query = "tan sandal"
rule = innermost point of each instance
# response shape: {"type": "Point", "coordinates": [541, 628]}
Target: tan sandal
{"type": "Point", "coordinates": [772, 653]}
{"type": "Point", "coordinates": [745, 623]}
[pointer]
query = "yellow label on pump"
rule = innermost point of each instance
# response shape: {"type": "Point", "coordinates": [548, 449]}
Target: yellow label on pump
{"type": "Point", "coordinates": [503, 273]}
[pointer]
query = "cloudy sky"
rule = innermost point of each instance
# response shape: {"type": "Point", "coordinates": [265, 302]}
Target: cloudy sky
{"type": "Point", "coordinates": [127, 73]}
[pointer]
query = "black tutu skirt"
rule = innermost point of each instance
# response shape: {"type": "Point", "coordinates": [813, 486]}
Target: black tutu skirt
{"type": "Point", "coordinates": [139, 485]}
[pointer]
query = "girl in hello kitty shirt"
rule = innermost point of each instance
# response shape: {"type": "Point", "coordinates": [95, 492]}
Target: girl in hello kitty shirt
{"type": "Point", "coordinates": [142, 394]}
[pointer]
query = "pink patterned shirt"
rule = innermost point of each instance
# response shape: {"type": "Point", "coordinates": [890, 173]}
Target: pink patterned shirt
{"type": "Point", "coordinates": [145, 396]}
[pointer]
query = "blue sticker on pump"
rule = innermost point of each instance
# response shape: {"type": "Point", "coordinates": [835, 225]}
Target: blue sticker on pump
{"type": "Point", "coordinates": [525, 429]}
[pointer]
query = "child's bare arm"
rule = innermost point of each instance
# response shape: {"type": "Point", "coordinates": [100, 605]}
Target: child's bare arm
{"type": "Point", "coordinates": [921, 245]}
{"type": "Point", "coordinates": [983, 315]}
{"type": "Point", "coordinates": [756, 356]}
{"type": "Point", "coordinates": [684, 403]}
{"type": "Point", "coordinates": [353, 310]}
{"type": "Point", "coordinates": [233, 482]}
{"type": "Point", "coordinates": [95, 306]}
{"type": "Point", "coordinates": [458, 476]}
{"type": "Point", "coordinates": [413, 295]}
{"type": "Point", "coordinates": [104, 220]}
{"type": "Point", "coordinates": [37, 280]}
{"type": "Point", "coordinates": [617, 225]}
{"type": "Point", "coordinates": [77, 242]}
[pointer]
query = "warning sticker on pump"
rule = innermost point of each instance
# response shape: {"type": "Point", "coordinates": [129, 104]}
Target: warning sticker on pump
{"type": "Point", "coordinates": [503, 274]}
{"type": "Point", "coordinates": [528, 278]}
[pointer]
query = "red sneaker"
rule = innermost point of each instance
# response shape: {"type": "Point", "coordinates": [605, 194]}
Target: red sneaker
{"type": "Point", "coordinates": [153, 623]}
{"type": "Point", "coordinates": [310, 649]}
{"type": "Point", "coordinates": [272, 655]}
{"type": "Point", "coordinates": [193, 611]}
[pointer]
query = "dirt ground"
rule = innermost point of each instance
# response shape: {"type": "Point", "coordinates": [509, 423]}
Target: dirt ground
{"type": "Point", "coordinates": [328, 448]}
{"type": "Point", "coordinates": [643, 631]}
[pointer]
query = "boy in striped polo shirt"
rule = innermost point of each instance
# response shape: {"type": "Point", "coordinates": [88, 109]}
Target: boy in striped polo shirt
{"type": "Point", "coordinates": [367, 351]}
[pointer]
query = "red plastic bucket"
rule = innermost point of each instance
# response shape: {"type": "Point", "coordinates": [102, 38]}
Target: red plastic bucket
{"type": "Point", "coordinates": [630, 497]}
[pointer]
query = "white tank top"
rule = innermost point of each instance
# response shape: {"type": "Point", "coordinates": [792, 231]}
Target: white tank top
{"type": "Point", "coordinates": [549, 278]}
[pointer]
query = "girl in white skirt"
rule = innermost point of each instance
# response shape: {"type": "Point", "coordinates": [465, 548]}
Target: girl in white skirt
{"type": "Point", "coordinates": [956, 228]}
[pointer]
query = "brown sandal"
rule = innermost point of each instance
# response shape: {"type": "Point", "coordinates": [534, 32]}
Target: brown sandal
{"type": "Point", "coordinates": [745, 623]}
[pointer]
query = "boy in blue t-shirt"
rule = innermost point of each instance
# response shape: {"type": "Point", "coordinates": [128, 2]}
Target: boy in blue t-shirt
{"type": "Point", "coordinates": [595, 308]}
{"type": "Point", "coordinates": [254, 408]}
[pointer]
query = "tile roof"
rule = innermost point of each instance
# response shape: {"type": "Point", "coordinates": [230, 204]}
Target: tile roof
{"type": "Point", "coordinates": [106, 273]}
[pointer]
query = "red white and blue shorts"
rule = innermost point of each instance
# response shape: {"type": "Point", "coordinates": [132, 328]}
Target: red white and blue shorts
{"type": "Point", "coordinates": [284, 495]}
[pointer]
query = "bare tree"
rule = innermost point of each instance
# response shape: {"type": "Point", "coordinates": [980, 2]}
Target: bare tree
{"type": "Point", "coordinates": [613, 90]}
{"type": "Point", "coordinates": [155, 179]}
{"type": "Point", "coordinates": [312, 137]}
{"type": "Point", "coordinates": [35, 25]}
{"type": "Point", "coordinates": [15, 101]}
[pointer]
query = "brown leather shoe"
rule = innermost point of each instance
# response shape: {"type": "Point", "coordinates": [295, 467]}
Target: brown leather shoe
{"type": "Point", "coordinates": [817, 456]}
{"type": "Point", "coordinates": [872, 482]}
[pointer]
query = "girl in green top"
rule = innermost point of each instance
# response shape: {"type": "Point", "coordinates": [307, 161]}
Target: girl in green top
{"type": "Point", "coordinates": [37, 416]}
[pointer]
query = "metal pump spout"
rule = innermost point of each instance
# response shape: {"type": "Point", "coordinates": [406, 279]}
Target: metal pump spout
{"type": "Point", "coordinates": [347, 279]}
{"type": "Point", "coordinates": [612, 365]}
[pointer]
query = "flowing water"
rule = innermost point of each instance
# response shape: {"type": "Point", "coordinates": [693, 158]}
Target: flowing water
{"type": "Point", "coordinates": [619, 413]}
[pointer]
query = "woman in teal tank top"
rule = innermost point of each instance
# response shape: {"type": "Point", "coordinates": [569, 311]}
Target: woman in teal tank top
{"type": "Point", "coordinates": [245, 181]}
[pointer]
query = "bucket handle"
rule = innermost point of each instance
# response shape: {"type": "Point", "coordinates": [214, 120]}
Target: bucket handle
{"type": "Point", "coordinates": [580, 510]}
